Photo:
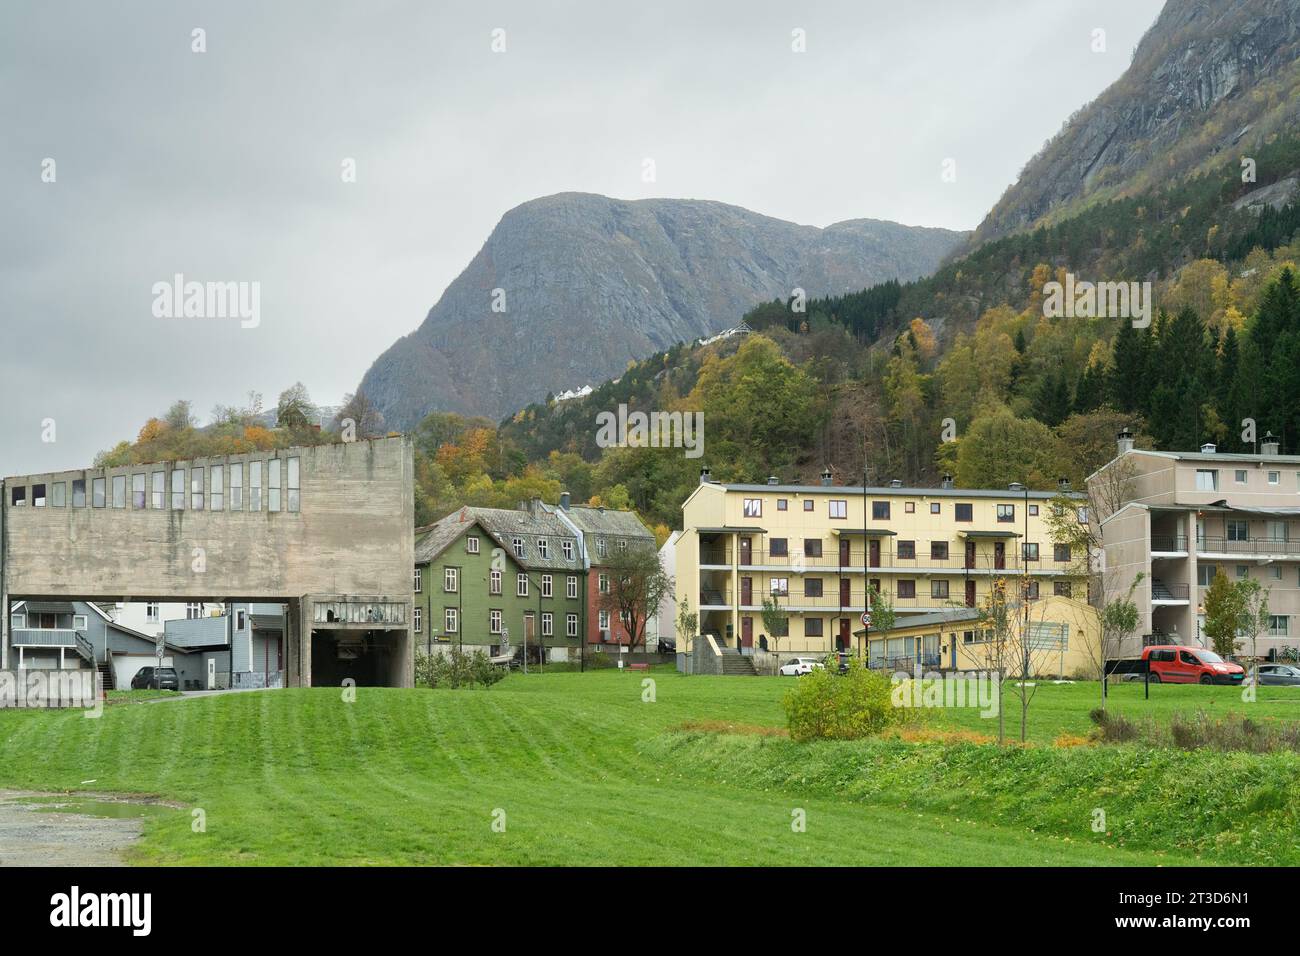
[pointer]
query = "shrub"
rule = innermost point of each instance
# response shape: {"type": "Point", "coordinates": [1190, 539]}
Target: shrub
{"type": "Point", "coordinates": [1113, 728]}
{"type": "Point", "coordinates": [457, 669]}
{"type": "Point", "coordinates": [827, 705]}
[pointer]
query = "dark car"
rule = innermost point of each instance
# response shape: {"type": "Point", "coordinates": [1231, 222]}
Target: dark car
{"type": "Point", "coordinates": [1286, 674]}
{"type": "Point", "coordinates": [156, 678]}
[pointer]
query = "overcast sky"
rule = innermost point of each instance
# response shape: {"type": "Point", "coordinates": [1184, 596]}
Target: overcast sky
{"type": "Point", "coordinates": [227, 165]}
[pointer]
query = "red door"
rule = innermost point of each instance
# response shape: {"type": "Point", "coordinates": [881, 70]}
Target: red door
{"type": "Point", "coordinates": [1000, 555]}
{"type": "Point", "coordinates": [845, 639]}
{"type": "Point", "coordinates": [875, 552]}
{"type": "Point", "coordinates": [746, 632]}
{"type": "Point", "coordinates": [970, 593]}
{"type": "Point", "coordinates": [845, 600]}
{"type": "Point", "coordinates": [970, 554]}
{"type": "Point", "coordinates": [746, 550]}
{"type": "Point", "coordinates": [845, 559]}
{"type": "Point", "coordinates": [746, 591]}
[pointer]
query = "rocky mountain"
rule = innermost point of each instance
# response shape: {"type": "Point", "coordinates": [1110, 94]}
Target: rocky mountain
{"type": "Point", "coordinates": [1210, 77]}
{"type": "Point", "coordinates": [569, 288]}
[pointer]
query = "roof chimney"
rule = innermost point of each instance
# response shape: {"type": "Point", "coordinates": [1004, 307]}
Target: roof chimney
{"type": "Point", "coordinates": [1209, 448]}
{"type": "Point", "coordinates": [1269, 446]}
{"type": "Point", "coordinates": [773, 480]}
{"type": "Point", "coordinates": [1124, 441]}
{"type": "Point", "coordinates": [1063, 483]}
{"type": "Point", "coordinates": [946, 482]}
{"type": "Point", "coordinates": [826, 476]}
{"type": "Point", "coordinates": [564, 500]}
{"type": "Point", "coordinates": [704, 475]}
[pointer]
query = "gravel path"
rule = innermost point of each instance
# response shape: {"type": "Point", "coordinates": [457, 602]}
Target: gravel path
{"type": "Point", "coordinates": [33, 835]}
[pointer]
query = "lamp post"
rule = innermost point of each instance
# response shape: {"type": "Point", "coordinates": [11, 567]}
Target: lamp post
{"type": "Point", "coordinates": [1024, 586]}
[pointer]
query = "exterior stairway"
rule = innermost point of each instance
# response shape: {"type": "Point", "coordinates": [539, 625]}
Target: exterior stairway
{"type": "Point", "coordinates": [736, 664]}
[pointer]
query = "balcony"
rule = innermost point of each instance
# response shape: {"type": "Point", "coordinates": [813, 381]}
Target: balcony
{"type": "Point", "coordinates": [719, 556]}
{"type": "Point", "coordinates": [831, 600]}
{"type": "Point", "coordinates": [44, 638]}
{"type": "Point", "coordinates": [1261, 547]}
{"type": "Point", "coordinates": [1169, 543]}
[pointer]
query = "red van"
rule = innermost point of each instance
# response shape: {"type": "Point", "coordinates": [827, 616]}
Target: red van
{"type": "Point", "coordinates": [1175, 664]}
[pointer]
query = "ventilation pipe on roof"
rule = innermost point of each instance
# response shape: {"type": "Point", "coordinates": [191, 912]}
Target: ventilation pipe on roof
{"type": "Point", "coordinates": [1124, 441]}
{"type": "Point", "coordinates": [826, 477]}
{"type": "Point", "coordinates": [704, 475]}
{"type": "Point", "coordinates": [1209, 448]}
{"type": "Point", "coordinates": [946, 482]}
{"type": "Point", "coordinates": [1270, 445]}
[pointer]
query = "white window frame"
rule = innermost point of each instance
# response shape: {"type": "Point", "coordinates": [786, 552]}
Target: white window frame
{"type": "Point", "coordinates": [418, 580]}
{"type": "Point", "coordinates": [494, 621]}
{"type": "Point", "coordinates": [571, 625]}
{"type": "Point", "coordinates": [416, 622]}
{"type": "Point", "coordinates": [521, 584]}
{"type": "Point", "coordinates": [450, 580]}
{"type": "Point", "coordinates": [548, 624]}
{"type": "Point", "coordinates": [450, 620]}
{"type": "Point", "coordinates": [571, 586]}
{"type": "Point", "coordinates": [471, 544]}
{"type": "Point", "coordinates": [546, 585]}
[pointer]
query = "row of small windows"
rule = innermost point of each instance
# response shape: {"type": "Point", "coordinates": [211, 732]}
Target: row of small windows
{"type": "Point", "coordinates": [882, 510]}
{"type": "Point", "coordinates": [451, 622]}
{"type": "Point", "coordinates": [939, 588]}
{"type": "Point", "coordinates": [206, 489]}
{"type": "Point", "coordinates": [451, 583]}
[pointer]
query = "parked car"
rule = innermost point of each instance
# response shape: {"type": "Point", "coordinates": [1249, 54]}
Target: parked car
{"type": "Point", "coordinates": [155, 678]}
{"type": "Point", "coordinates": [1175, 664]}
{"type": "Point", "coordinates": [799, 666]}
{"type": "Point", "coordinates": [1286, 674]}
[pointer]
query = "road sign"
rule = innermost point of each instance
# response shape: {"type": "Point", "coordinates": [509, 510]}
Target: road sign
{"type": "Point", "coordinates": [866, 618]}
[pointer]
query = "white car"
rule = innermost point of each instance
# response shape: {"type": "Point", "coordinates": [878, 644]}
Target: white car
{"type": "Point", "coordinates": [800, 666]}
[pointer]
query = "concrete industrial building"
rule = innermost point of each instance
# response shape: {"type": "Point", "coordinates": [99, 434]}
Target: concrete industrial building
{"type": "Point", "coordinates": [1177, 518]}
{"type": "Point", "coordinates": [326, 530]}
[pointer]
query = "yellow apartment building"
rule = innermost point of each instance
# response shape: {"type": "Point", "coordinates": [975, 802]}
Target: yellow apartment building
{"type": "Point", "coordinates": [817, 549]}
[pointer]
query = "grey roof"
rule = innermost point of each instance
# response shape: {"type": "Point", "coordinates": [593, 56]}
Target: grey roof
{"type": "Point", "coordinates": [1004, 494]}
{"type": "Point", "coordinates": [609, 522]}
{"type": "Point", "coordinates": [1219, 456]}
{"type": "Point", "coordinates": [955, 616]}
{"type": "Point", "coordinates": [503, 525]}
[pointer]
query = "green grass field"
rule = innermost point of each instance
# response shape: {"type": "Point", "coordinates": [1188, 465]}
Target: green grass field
{"type": "Point", "coordinates": [585, 772]}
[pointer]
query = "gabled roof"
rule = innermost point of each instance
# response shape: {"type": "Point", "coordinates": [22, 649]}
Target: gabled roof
{"type": "Point", "coordinates": [607, 521]}
{"type": "Point", "coordinates": [502, 525]}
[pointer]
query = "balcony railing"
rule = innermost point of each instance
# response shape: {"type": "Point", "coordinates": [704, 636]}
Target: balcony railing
{"type": "Point", "coordinates": [831, 599]}
{"type": "Point", "coordinates": [1169, 542]}
{"type": "Point", "coordinates": [1168, 592]}
{"type": "Point", "coordinates": [52, 637]}
{"type": "Point", "coordinates": [715, 556]}
{"type": "Point", "coordinates": [1249, 546]}
{"type": "Point", "coordinates": [920, 561]}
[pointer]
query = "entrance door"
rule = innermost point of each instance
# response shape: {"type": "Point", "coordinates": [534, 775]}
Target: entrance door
{"type": "Point", "coordinates": [845, 638]}
{"type": "Point", "coordinates": [746, 550]}
{"type": "Point", "coordinates": [845, 595]}
{"type": "Point", "coordinates": [746, 632]}
{"type": "Point", "coordinates": [970, 554]}
{"type": "Point", "coordinates": [845, 559]}
{"type": "Point", "coordinates": [970, 593]}
{"type": "Point", "coordinates": [1000, 555]}
{"type": "Point", "coordinates": [875, 552]}
{"type": "Point", "coordinates": [746, 592]}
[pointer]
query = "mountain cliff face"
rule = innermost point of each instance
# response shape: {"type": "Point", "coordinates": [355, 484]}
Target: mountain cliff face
{"type": "Point", "coordinates": [569, 288]}
{"type": "Point", "coordinates": [1209, 76]}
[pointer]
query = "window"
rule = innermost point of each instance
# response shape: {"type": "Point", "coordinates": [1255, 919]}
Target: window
{"type": "Point", "coordinates": [1006, 512]}
{"type": "Point", "coordinates": [119, 491]}
{"type": "Point", "coordinates": [196, 489]}
{"type": "Point", "coordinates": [602, 583]}
{"type": "Point", "coordinates": [1032, 591]}
{"type": "Point", "coordinates": [546, 585]}
{"type": "Point", "coordinates": [494, 582]}
{"type": "Point", "coordinates": [151, 612]}
{"type": "Point", "coordinates": [254, 486]}
{"type": "Point", "coordinates": [780, 587]}
{"type": "Point", "coordinates": [79, 492]}
{"type": "Point", "coordinates": [571, 625]}
{"type": "Point", "coordinates": [935, 507]}
{"type": "Point", "coordinates": [939, 589]}
{"type": "Point", "coordinates": [600, 547]}
{"type": "Point", "coordinates": [217, 488]}
{"type": "Point", "coordinates": [519, 547]}
{"type": "Point", "coordinates": [909, 507]}
{"type": "Point", "coordinates": [1081, 515]}
{"type": "Point", "coordinates": [494, 621]}
{"type": "Point", "coordinates": [1275, 572]}
{"type": "Point", "coordinates": [472, 544]}
{"type": "Point", "coordinates": [273, 485]}
{"type": "Point", "coordinates": [571, 586]}
{"type": "Point", "coordinates": [752, 507]}
{"type": "Point", "coordinates": [237, 486]}
{"type": "Point", "coordinates": [450, 620]}
{"type": "Point", "coordinates": [1204, 574]}
{"type": "Point", "coordinates": [1060, 552]}
{"type": "Point", "coordinates": [963, 511]}
{"type": "Point", "coordinates": [38, 496]}
{"type": "Point", "coordinates": [1061, 588]}
{"type": "Point", "coordinates": [139, 496]}
{"type": "Point", "coordinates": [566, 546]}
{"type": "Point", "coordinates": [1238, 530]}
{"type": "Point", "coordinates": [416, 620]}
{"type": "Point", "coordinates": [602, 620]}
{"type": "Point", "coordinates": [294, 493]}
{"type": "Point", "coordinates": [418, 581]}
{"type": "Point", "coordinates": [838, 508]}
{"type": "Point", "coordinates": [58, 496]}
{"type": "Point", "coordinates": [812, 547]}
{"type": "Point", "coordinates": [1243, 571]}
{"type": "Point", "coordinates": [450, 580]}
{"type": "Point", "coordinates": [1033, 511]}
{"type": "Point", "coordinates": [548, 624]}
{"type": "Point", "coordinates": [1275, 477]}
{"type": "Point", "coordinates": [193, 611]}
{"type": "Point", "coordinates": [18, 497]}
{"type": "Point", "coordinates": [782, 504]}
{"type": "Point", "coordinates": [907, 589]}
{"type": "Point", "coordinates": [880, 510]}
{"type": "Point", "coordinates": [938, 550]}
{"type": "Point", "coordinates": [812, 627]}
{"type": "Point", "coordinates": [1029, 550]}
{"type": "Point", "coordinates": [906, 550]}
{"type": "Point", "coordinates": [79, 622]}
{"type": "Point", "coordinates": [1239, 476]}
{"type": "Point", "coordinates": [808, 503]}
{"type": "Point", "coordinates": [812, 587]}
{"type": "Point", "coordinates": [1207, 479]}
{"type": "Point", "coordinates": [543, 548]}
{"type": "Point", "coordinates": [779, 547]}
{"type": "Point", "coordinates": [97, 493]}
{"type": "Point", "coordinates": [1277, 625]}
{"type": "Point", "coordinates": [521, 584]}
